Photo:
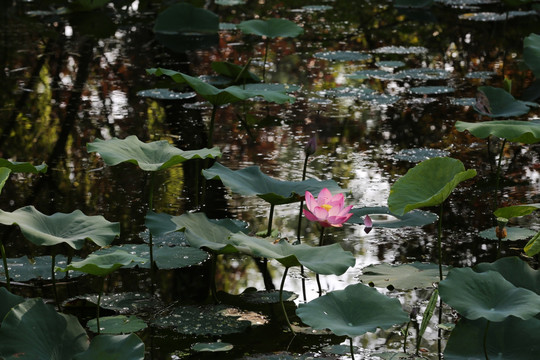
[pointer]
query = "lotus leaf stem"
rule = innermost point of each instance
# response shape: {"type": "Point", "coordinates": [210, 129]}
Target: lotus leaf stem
{"type": "Point", "coordinates": [321, 243]}
{"type": "Point", "coordinates": [267, 42]}
{"type": "Point", "coordinates": [405, 337]}
{"type": "Point", "coordinates": [281, 299]}
{"type": "Point", "coordinates": [211, 127]}
{"type": "Point", "coordinates": [6, 269]}
{"type": "Point", "coordinates": [439, 243]}
{"type": "Point", "coordinates": [496, 204]}
{"type": "Point", "coordinates": [150, 239]}
{"type": "Point", "coordinates": [53, 277]}
{"type": "Point", "coordinates": [299, 229]}
{"type": "Point", "coordinates": [99, 304]}
{"type": "Point", "coordinates": [352, 347]}
{"type": "Point", "coordinates": [485, 340]}
{"type": "Point", "coordinates": [213, 265]}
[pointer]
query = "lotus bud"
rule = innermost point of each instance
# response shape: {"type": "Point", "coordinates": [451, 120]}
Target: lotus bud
{"type": "Point", "coordinates": [311, 146]}
{"type": "Point", "coordinates": [368, 224]}
{"type": "Point", "coordinates": [500, 230]}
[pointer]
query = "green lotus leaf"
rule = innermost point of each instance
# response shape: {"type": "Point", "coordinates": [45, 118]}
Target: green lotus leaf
{"type": "Point", "coordinates": [403, 277]}
{"type": "Point", "coordinates": [73, 228]}
{"type": "Point", "coordinates": [516, 210]}
{"type": "Point", "coordinates": [514, 270]}
{"type": "Point", "coordinates": [23, 167]}
{"type": "Point", "coordinates": [218, 97]}
{"type": "Point", "coordinates": [212, 347]}
{"type": "Point", "coordinates": [166, 94]}
{"type": "Point", "coordinates": [153, 156]}
{"type": "Point", "coordinates": [254, 296]}
{"type": "Point", "coordinates": [401, 50]}
{"type": "Point", "coordinates": [513, 233]}
{"type": "Point", "coordinates": [235, 72]}
{"type": "Point", "coordinates": [383, 218]}
{"type": "Point", "coordinates": [512, 338]}
{"type": "Point", "coordinates": [114, 347]}
{"type": "Point", "coordinates": [39, 267]}
{"type": "Point", "coordinates": [271, 28]}
{"type": "Point", "coordinates": [354, 311]}
{"type": "Point", "coordinates": [251, 181]}
{"type": "Point", "coordinates": [501, 103]}
{"type": "Point", "coordinates": [102, 265]}
{"type": "Point", "coordinates": [125, 302]}
{"type": "Point", "coordinates": [4, 175]}
{"type": "Point", "coordinates": [35, 331]}
{"type": "Point", "coordinates": [397, 356]}
{"type": "Point", "coordinates": [431, 90]}
{"type": "Point", "coordinates": [487, 295]}
{"type": "Point", "coordinates": [165, 256]}
{"type": "Point", "coordinates": [527, 132]}
{"type": "Point", "coordinates": [424, 74]}
{"type": "Point", "coordinates": [427, 184]}
{"type": "Point", "coordinates": [7, 301]}
{"type": "Point", "coordinates": [342, 55]}
{"type": "Point", "coordinates": [533, 246]}
{"type": "Point", "coordinates": [203, 320]}
{"type": "Point", "coordinates": [394, 64]}
{"type": "Point", "coordinates": [325, 260]}
{"type": "Point", "coordinates": [186, 18]}
{"type": "Point", "coordinates": [119, 324]}
{"type": "Point", "coordinates": [283, 88]}
{"type": "Point", "coordinates": [230, 2]}
{"type": "Point", "coordinates": [531, 53]}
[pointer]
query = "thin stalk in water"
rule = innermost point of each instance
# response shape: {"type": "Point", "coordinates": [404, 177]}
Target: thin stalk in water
{"type": "Point", "coordinates": [439, 243]}
{"type": "Point", "coordinates": [213, 265]}
{"type": "Point", "coordinates": [210, 142]}
{"type": "Point", "coordinates": [299, 229]}
{"type": "Point", "coordinates": [321, 243]}
{"type": "Point", "coordinates": [352, 348]}
{"type": "Point", "coordinates": [281, 299]}
{"type": "Point", "coordinates": [267, 42]}
{"type": "Point", "coordinates": [150, 240]}
{"type": "Point", "coordinates": [99, 304]}
{"type": "Point", "coordinates": [53, 277]}
{"type": "Point", "coordinates": [496, 205]}
{"type": "Point", "coordinates": [485, 340]}
{"type": "Point", "coordinates": [6, 270]}
{"type": "Point", "coordinates": [405, 337]}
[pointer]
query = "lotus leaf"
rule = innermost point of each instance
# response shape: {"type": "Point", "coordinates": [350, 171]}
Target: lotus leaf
{"type": "Point", "coordinates": [514, 233]}
{"type": "Point", "coordinates": [251, 181]}
{"type": "Point", "coordinates": [165, 94]}
{"type": "Point", "coordinates": [212, 347]}
{"type": "Point", "coordinates": [7, 301]}
{"type": "Point", "coordinates": [102, 265]}
{"type": "Point", "coordinates": [487, 295]}
{"type": "Point", "coordinates": [514, 270]}
{"type": "Point", "coordinates": [403, 277]}
{"type": "Point", "coordinates": [427, 184]}
{"type": "Point", "coordinates": [317, 7]}
{"type": "Point", "coordinates": [73, 228]}
{"type": "Point", "coordinates": [35, 331]}
{"type": "Point", "coordinates": [230, 2]}
{"type": "Point", "coordinates": [282, 88]}
{"type": "Point", "coordinates": [203, 320]}
{"type": "Point", "coordinates": [402, 50]}
{"type": "Point", "coordinates": [354, 311]}
{"type": "Point", "coordinates": [234, 72]}
{"type": "Point", "coordinates": [420, 154]}
{"type": "Point", "coordinates": [119, 324]}
{"type": "Point", "coordinates": [368, 74]}
{"type": "Point", "coordinates": [127, 302]}
{"type": "Point", "coordinates": [23, 167]}
{"type": "Point", "coordinates": [114, 347]}
{"type": "Point", "coordinates": [501, 103]}
{"type": "Point", "coordinates": [424, 74]}
{"type": "Point", "coordinates": [431, 90]}
{"type": "Point", "coordinates": [512, 338]}
{"type": "Point", "coordinates": [342, 55]}
{"type": "Point", "coordinates": [527, 132]}
{"type": "Point", "coordinates": [516, 210]}
{"type": "Point", "coordinates": [185, 18]}
{"type": "Point", "coordinates": [533, 246]}
{"type": "Point", "coordinates": [390, 64]}
{"type": "Point", "coordinates": [271, 28]}
{"type": "Point", "coordinates": [153, 156]}
{"type": "Point", "coordinates": [383, 218]}
{"type": "Point", "coordinates": [24, 269]}
{"type": "Point", "coordinates": [4, 175]}
{"type": "Point", "coordinates": [218, 97]}
{"type": "Point", "coordinates": [397, 356]}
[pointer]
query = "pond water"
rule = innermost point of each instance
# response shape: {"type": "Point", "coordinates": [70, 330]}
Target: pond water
{"type": "Point", "coordinates": [375, 80]}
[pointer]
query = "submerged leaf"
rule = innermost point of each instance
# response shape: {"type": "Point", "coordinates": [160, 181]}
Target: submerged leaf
{"type": "Point", "coordinates": [73, 228]}
{"type": "Point", "coordinates": [354, 311]}
{"type": "Point", "coordinates": [153, 156]}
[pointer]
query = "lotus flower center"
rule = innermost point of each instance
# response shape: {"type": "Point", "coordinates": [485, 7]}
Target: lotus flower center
{"type": "Point", "coordinates": [326, 207]}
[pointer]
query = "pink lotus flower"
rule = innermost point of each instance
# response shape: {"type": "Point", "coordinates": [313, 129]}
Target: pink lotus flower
{"type": "Point", "coordinates": [327, 210]}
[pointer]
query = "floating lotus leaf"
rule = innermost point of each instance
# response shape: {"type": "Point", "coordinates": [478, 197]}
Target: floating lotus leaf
{"type": "Point", "coordinates": [346, 91]}
{"type": "Point", "coordinates": [467, 2]}
{"type": "Point", "coordinates": [168, 239]}
{"type": "Point", "coordinates": [397, 356]}
{"type": "Point", "coordinates": [512, 338]}
{"type": "Point", "coordinates": [383, 218]}
{"type": "Point", "coordinates": [103, 264]}
{"type": "Point", "coordinates": [462, 101]}
{"type": "Point", "coordinates": [487, 295]}
{"type": "Point", "coordinates": [39, 267]}
{"type": "Point", "coordinates": [390, 64]}
{"type": "Point", "coordinates": [431, 90]}
{"type": "Point", "coordinates": [227, 26]}
{"type": "Point", "coordinates": [251, 181]}
{"type": "Point", "coordinates": [230, 2]}
{"type": "Point", "coordinates": [492, 16]}
{"type": "Point", "coordinates": [420, 154]}
{"type": "Point", "coordinates": [114, 347]}
{"type": "Point", "coordinates": [119, 324]}
{"type": "Point", "coordinates": [186, 18]}
{"type": "Point", "coordinates": [338, 349]}
{"type": "Point", "coordinates": [516, 210]}
{"type": "Point", "coordinates": [531, 53]}
{"type": "Point", "coordinates": [317, 7]}
{"type": "Point", "coordinates": [342, 55]}
{"type": "Point", "coordinates": [282, 88]}
{"type": "Point", "coordinates": [23, 167]}
{"type": "Point", "coordinates": [7, 301]}
{"type": "Point", "coordinates": [500, 103]}
{"type": "Point", "coordinates": [252, 296]}
{"type": "Point", "coordinates": [218, 97]}
{"type": "Point", "coordinates": [354, 311]}
{"type": "Point", "coordinates": [127, 302]}
{"type": "Point", "coordinates": [424, 74]}
{"type": "Point", "coordinates": [212, 347]}
{"type": "Point", "coordinates": [271, 28]}
{"type": "Point", "coordinates": [378, 99]}
{"type": "Point", "coordinates": [165, 94]}
{"type": "Point", "coordinates": [402, 50]}
{"type": "Point", "coordinates": [514, 270]}
{"type": "Point", "coordinates": [482, 75]}
{"type": "Point", "coordinates": [153, 156]}
{"type": "Point", "coordinates": [402, 277]}
{"type": "Point", "coordinates": [427, 184]}
{"type": "Point", "coordinates": [234, 72]}
{"type": "Point", "coordinates": [371, 74]}
{"type": "Point", "coordinates": [514, 233]}
{"type": "Point", "coordinates": [35, 331]}
{"type": "Point", "coordinates": [73, 228]}
{"type": "Point", "coordinates": [202, 320]}
{"type": "Point", "coordinates": [527, 132]}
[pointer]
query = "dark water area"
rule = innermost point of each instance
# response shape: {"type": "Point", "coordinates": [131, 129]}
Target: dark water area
{"type": "Point", "coordinates": [68, 80]}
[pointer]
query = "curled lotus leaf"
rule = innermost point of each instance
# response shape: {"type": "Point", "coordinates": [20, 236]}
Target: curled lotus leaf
{"type": "Point", "coordinates": [153, 156]}
{"type": "Point", "coordinates": [496, 102]}
{"type": "Point", "coordinates": [73, 228]}
{"type": "Point", "coordinates": [354, 311]}
{"type": "Point", "coordinates": [103, 264]}
{"type": "Point", "coordinates": [516, 210]}
{"type": "Point", "coordinates": [527, 132]}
